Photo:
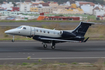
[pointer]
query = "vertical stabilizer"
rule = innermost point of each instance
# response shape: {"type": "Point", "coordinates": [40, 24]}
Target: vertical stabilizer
{"type": "Point", "coordinates": [82, 28]}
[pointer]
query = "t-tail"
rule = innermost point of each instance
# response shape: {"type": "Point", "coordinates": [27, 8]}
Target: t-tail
{"type": "Point", "coordinates": [81, 29]}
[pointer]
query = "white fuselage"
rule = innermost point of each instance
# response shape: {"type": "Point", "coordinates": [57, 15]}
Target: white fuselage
{"type": "Point", "coordinates": [32, 31]}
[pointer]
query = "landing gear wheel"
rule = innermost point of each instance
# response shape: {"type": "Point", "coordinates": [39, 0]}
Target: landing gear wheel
{"type": "Point", "coordinates": [12, 40]}
{"type": "Point", "coordinates": [45, 45]}
{"type": "Point", "coordinates": [53, 47]}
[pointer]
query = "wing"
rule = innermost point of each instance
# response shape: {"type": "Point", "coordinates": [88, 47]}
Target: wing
{"type": "Point", "coordinates": [58, 40]}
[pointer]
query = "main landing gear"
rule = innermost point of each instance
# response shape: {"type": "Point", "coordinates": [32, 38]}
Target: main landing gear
{"type": "Point", "coordinates": [44, 45]}
{"type": "Point", "coordinates": [52, 45]}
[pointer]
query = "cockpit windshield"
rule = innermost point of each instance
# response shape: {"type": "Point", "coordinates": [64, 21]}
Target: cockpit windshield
{"type": "Point", "coordinates": [20, 27]}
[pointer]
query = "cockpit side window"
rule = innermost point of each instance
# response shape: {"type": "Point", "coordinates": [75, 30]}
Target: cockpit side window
{"type": "Point", "coordinates": [24, 27]}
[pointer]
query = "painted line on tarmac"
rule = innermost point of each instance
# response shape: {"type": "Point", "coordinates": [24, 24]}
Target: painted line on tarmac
{"type": "Point", "coordinates": [54, 58]}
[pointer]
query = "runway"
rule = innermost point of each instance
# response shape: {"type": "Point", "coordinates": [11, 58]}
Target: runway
{"type": "Point", "coordinates": [15, 24]}
{"type": "Point", "coordinates": [34, 23]}
{"type": "Point", "coordinates": [64, 52]}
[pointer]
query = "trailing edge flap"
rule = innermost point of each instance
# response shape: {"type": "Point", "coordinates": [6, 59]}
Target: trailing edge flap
{"type": "Point", "coordinates": [58, 40]}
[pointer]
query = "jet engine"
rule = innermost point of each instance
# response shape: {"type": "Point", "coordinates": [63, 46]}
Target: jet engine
{"type": "Point", "coordinates": [67, 34]}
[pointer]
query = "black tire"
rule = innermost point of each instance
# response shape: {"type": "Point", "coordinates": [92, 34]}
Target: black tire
{"type": "Point", "coordinates": [45, 45]}
{"type": "Point", "coordinates": [53, 47]}
{"type": "Point", "coordinates": [13, 40]}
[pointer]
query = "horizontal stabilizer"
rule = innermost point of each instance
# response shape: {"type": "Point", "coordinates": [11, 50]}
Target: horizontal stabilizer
{"type": "Point", "coordinates": [86, 39]}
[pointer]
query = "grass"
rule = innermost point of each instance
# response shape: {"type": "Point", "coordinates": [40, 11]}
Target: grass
{"type": "Point", "coordinates": [24, 63]}
{"type": "Point", "coordinates": [62, 63]}
{"type": "Point", "coordinates": [89, 18]}
{"type": "Point", "coordinates": [28, 58]}
{"type": "Point", "coordinates": [99, 65]}
{"type": "Point", "coordinates": [39, 60]}
{"type": "Point", "coordinates": [35, 63]}
{"type": "Point", "coordinates": [34, 20]}
{"type": "Point", "coordinates": [99, 21]}
{"type": "Point", "coordinates": [59, 21]}
{"type": "Point", "coordinates": [74, 63]}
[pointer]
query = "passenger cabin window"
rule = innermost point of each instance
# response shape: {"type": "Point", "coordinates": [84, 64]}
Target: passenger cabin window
{"type": "Point", "coordinates": [37, 30]}
{"type": "Point", "coordinates": [48, 32]}
{"type": "Point", "coordinates": [60, 32]}
{"type": "Point", "coordinates": [44, 31]}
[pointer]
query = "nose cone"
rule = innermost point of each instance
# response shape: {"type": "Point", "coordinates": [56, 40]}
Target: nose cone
{"type": "Point", "coordinates": [7, 32]}
{"type": "Point", "coordinates": [11, 32]}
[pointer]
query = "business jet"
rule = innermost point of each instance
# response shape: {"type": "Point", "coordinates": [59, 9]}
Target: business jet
{"type": "Point", "coordinates": [52, 36]}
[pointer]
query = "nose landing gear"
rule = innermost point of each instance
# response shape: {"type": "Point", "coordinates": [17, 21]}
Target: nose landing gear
{"type": "Point", "coordinates": [13, 39]}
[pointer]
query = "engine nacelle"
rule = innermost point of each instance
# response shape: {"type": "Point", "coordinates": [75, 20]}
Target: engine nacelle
{"type": "Point", "coordinates": [67, 34]}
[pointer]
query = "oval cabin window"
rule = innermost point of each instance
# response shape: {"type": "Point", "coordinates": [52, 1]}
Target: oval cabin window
{"type": "Point", "coordinates": [48, 32]}
{"type": "Point", "coordinates": [37, 30]}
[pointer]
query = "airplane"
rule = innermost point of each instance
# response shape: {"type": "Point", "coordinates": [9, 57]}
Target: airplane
{"type": "Point", "coordinates": [52, 36]}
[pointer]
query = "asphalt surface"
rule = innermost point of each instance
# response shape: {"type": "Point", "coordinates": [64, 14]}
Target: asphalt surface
{"type": "Point", "coordinates": [64, 52]}
{"type": "Point", "coordinates": [34, 23]}
{"type": "Point", "coordinates": [37, 23]}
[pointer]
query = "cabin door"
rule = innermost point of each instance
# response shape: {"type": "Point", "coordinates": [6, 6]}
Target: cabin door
{"type": "Point", "coordinates": [32, 31]}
